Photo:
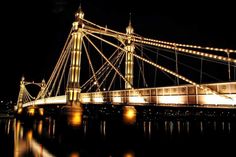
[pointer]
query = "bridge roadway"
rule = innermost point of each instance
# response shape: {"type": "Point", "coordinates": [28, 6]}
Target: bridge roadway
{"type": "Point", "coordinates": [170, 95]}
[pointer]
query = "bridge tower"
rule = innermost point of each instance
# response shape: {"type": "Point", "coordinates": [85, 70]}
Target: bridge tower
{"type": "Point", "coordinates": [129, 59]}
{"type": "Point", "coordinates": [73, 88]}
{"type": "Point", "coordinates": [21, 94]}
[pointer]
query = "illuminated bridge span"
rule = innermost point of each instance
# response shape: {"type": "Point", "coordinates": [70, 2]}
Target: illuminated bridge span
{"type": "Point", "coordinates": [126, 68]}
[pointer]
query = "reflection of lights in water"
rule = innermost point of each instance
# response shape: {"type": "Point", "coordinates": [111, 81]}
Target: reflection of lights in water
{"type": "Point", "coordinates": [149, 129]}
{"type": "Point", "coordinates": [7, 127]}
{"type": "Point", "coordinates": [103, 128]}
{"type": "Point", "coordinates": [178, 125]}
{"type": "Point", "coordinates": [187, 126]}
{"type": "Point", "coordinates": [85, 127]}
{"type": "Point", "coordinates": [229, 127]}
{"type": "Point", "coordinates": [223, 126]}
{"type": "Point", "coordinates": [29, 135]}
{"type": "Point", "coordinates": [53, 127]}
{"type": "Point", "coordinates": [74, 113]}
{"type": "Point", "coordinates": [41, 111]}
{"type": "Point", "coordinates": [75, 118]}
{"type": "Point", "coordinates": [166, 126]}
{"type": "Point", "coordinates": [144, 127]}
{"type": "Point", "coordinates": [129, 154]}
{"type": "Point", "coordinates": [74, 154]}
{"type": "Point", "coordinates": [214, 124]}
{"type": "Point", "coordinates": [40, 127]}
{"type": "Point", "coordinates": [129, 114]}
{"type": "Point", "coordinates": [23, 146]}
{"type": "Point", "coordinates": [201, 126]}
{"type": "Point", "coordinates": [171, 127]}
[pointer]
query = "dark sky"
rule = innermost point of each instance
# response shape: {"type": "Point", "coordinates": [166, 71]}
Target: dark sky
{"type": "Point", "coordinates": [33, 32]}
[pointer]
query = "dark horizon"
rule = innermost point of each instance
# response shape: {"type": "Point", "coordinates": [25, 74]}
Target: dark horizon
{"type": "Point", "coordinates": [34, 32]}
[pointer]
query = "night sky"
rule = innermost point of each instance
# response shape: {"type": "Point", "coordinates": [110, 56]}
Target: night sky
{"type": "Point", "coordinates": [33, 32]}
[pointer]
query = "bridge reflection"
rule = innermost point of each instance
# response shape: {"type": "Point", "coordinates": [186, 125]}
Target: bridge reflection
{"type": "Point", "coordinates": [25, 143]}
{"type": "Point", "coordinates": [106, 136]}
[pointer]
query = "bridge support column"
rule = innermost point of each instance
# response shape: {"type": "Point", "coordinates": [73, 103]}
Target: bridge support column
{"type": "Point", "coordinates": [73, 87]}
{"type": "Point", "coordinates": [129, 61]}
{"type": "Point", "coordinates": [20, 96]}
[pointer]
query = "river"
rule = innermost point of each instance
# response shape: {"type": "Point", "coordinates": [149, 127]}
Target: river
{"type": "Point", "coordinates": [124, 135]}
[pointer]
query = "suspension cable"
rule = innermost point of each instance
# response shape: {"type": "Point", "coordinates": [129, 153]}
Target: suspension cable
{"type": "Point", "coordinates": [62, 74]}
{"type": "Point", "coordinates": [108, 68]}
{"type": "Point", "coordinates": [180, 62]}
{"type": "Point", "coordinates": [68, 41]}
{"type": "Point", "coordinates": [201, 70]}
{"type": "Point", "coordinates": [107, 74]}
{"type": "Point", "coordinates": [105, 56]}
{"type": "Point", "coordinates": [167, 70]}
{"type": "Point", "coordinates": [182, 77]}
{"type": "Point", "coordinates": [228, 66]}
{"type": "Point", "coordinates": [193, 52]}
{"type": "Point", "coordinates": [174, 81]}
{"type": "Point", "coordinates": [115, 72]}
{"type": "Point", "coordinates": [176, 65]}
{"type": "Point", "coordinates": [155, 75]}
{"type": "Point", "coordinates": [100, 69]}
{"type": "Point", "coordinates": [105, 67]}
{"type": "Point", "coordinates": [60, 67]}
{"type": "Point", "coordinates": [91, 66]}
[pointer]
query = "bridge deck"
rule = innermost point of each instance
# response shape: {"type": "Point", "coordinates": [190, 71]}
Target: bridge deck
{"type": "Point", "coordinates": [184, 94]}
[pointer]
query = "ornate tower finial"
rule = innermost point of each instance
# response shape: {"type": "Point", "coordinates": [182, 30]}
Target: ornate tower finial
{"type": "Point", "coordinates": [79, 14]}
{"type": "Point", "coordinates": [129, 29]}
{"type": "Point", "coordinates": [23, 78]}
{"type": "Point", "coordinates": [130, 19]}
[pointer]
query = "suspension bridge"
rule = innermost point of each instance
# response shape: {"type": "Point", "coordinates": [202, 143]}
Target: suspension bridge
{"type": "Point", "coordinates": [124, 69]}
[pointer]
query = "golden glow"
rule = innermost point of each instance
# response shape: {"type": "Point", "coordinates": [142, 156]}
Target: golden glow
{"type": "Point", "coordinates": [40, 127]}
{"type": "Point", "coordinates": [41, 111]}
{"type": "Point", "coordinates": [75, 119]}
{"type": "Point", "coordinates": [74, 154]}
{"type": "Point", "coordinates": [29, 135]}
{"type": "Point", "coordinates": [31, 111]}
{"type": "Point", "coordinates": [129, 154]}
{"type": "Point", "coordinates": [129, 115]}
{"type": "Point", "coordinates": [19, 110]}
